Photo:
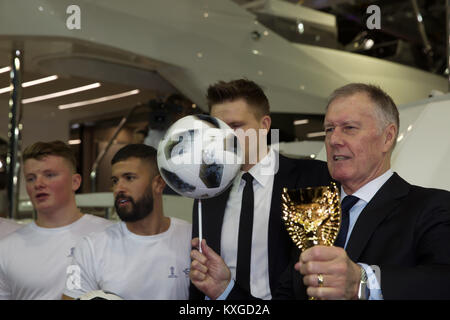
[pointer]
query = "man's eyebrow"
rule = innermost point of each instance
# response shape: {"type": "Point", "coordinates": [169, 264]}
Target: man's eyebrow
{"type": "Point", "coordinates": [341, 123]}
{"type": "Point", "coordinates": [350, 122]}
{"type": "Point", "coordinates": [123, 174]}
{"type": "Point", "coordinates": [327, 123]}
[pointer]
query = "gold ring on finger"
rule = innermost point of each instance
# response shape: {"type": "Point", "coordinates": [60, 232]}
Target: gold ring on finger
{"type": "Point", "coordinates": [320, 280]}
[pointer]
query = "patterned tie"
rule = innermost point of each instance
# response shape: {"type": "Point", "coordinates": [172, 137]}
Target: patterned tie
{"type": "Point", "coordinates": [245, 234]}
{"type": "Point", "coordinates": [347, 203]}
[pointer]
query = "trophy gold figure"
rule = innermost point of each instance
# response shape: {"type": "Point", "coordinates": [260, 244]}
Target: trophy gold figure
{"type": "Point", "coordinates": [312, 216]}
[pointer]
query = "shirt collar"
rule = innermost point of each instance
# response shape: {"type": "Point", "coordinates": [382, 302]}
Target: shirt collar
{"type": "Point", "coordinates": [263, 171]}
{"type": "Point", "coordinates": [367, 191]}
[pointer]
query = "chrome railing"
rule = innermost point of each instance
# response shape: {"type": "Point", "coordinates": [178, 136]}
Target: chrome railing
{"type": "Point", "coordinates": [14, 134]}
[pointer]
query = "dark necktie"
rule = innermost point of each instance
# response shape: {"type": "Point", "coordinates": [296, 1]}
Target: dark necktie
{"type": "Point", "coordinates": [347, 203]}
{"type": "Point", "coordinates": [245, 234]}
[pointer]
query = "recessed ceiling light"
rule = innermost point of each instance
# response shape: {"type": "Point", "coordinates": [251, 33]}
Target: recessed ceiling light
{"type": "Point", "coordinates": [5, 69]}
{"type": "Point", "coordinates": [368, 43]}
{"type": "Point", "coordinates": [299, 122]}
{"type": "Point", "coordinates": [61, 93]}
{"type": "Point", "coordinates": [98, 100]}
{"type": "Point", "coordinates": [39, 81]}
{"type": "Point", "coordinates": [75, 141]}
{"type": "Point", "coordinates": [30, 83]}
{"type": "Point", "coordinates": [315, 134]}
{"type": "Point", "coordinates": [6, 89]}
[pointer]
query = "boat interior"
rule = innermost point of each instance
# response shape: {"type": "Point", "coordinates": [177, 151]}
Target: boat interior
{"type": "Point", "coordinates": [97, 74]}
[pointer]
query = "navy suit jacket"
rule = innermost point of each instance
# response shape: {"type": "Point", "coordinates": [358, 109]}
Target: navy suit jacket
{"type": "Point", "coordinates": [405, 230]}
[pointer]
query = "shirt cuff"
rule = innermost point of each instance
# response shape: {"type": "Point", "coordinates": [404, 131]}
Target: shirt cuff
{"type": "Point", "coordinates": [224, 294]}
{"type": "Point", "coordinates": [373, 281]}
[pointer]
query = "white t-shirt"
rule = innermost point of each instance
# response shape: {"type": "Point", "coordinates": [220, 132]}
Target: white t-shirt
{"type": "Point", "coordinates": [132, 266]}
{"type": "Point", "coordinates": [34, 260]}
{"type": "Point", "coordinates": [8, 226]}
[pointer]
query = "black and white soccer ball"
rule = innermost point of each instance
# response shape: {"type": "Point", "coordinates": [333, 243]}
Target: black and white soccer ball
{"type": "Point", "coordinates": [99, 295]}
{"type": "Point", "coordinates": [199, 156]}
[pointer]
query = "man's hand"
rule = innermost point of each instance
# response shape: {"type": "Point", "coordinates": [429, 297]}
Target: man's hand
{"type": "Point", "coordinates": [209, 273]}
{"type": "Point", "coordinates": [340, 275]}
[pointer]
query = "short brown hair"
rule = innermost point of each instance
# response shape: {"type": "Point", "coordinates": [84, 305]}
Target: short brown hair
{"type": "Point", "coordinates": [40, 150]}
{"type": "Point", "coordinates": [239, 89]}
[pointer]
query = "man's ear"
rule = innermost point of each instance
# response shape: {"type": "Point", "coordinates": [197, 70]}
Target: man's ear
{"type": "Point", "coordinates": [390, 134]}
{"type": "Point", "coordinates": [76, 181]}
{"type": "Point", "coordinates": [266, 122]}
{"type": "Point", "coordinates": [158, 184]}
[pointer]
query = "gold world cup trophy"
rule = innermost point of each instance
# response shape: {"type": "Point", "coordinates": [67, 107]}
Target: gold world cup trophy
{"type": "Point", "coordinates": [312, 215]}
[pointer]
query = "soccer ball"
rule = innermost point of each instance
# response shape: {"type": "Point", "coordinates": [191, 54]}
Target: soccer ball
{"type": "Point", "coordinates": [99, 295]}
{"type": "Point", "coordinates": [199, 156]}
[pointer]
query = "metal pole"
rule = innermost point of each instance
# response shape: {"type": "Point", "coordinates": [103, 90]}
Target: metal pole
{"type": "Point", "coordinates": [15, 111]}
{"type": "Point", "coordinates": [447, 23]}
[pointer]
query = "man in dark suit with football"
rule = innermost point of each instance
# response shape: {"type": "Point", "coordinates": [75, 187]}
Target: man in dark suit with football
{"type": "Point", "coordinates": [255, 245]}
{"type": "Point", "coordinates": [395, 242]}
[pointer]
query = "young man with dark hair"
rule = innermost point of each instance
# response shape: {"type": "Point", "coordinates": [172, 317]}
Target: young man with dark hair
{"type": "Point", "coordinates": [35, 258]}
{"type": "Point", "coordinates": [244, 224]}
{"type": "Point", "coordinates": [146, 255]}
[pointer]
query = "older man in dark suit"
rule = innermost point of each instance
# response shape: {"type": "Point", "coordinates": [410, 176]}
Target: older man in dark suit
{"type": "Point", "coordinates": [393, 243]}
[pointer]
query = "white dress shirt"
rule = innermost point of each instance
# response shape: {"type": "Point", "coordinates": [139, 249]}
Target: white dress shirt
{"type": "Point", "coordinates": [263, 174]}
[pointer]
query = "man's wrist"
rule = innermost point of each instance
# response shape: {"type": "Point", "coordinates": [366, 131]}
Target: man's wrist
{"type": "Point", "coordinates": [373, 286]}
{"type": "Point", "coordinates": [362, 288]}
{"type": "Point", "coordinates": [227, 291]}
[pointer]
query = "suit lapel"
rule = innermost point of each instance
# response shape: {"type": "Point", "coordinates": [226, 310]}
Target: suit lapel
{"type": "Point", "coordinates": [281, 180]}
{"type": "Point", "coordinates": [380, 207]}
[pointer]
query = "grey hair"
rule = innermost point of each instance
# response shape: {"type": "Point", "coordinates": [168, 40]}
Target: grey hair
{"type": "Point", "coordinates": [385, 109]}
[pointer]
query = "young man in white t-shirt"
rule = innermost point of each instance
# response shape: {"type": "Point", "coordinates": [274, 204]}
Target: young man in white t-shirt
{"type": "Point", "coordinates": [146, 255]}
{"type": "Point", "coordinates": [8, 226]}
{"type": "Point", "coordinates": [34, 259]}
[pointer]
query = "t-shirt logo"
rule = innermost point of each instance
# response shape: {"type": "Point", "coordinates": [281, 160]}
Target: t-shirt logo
{"type": "Point", "coordinates": [172, 274]}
